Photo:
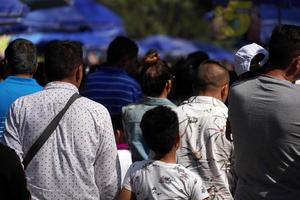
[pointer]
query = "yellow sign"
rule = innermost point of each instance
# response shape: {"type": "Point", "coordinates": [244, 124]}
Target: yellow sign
{"type": "Point", "coordinates": [233, 20]}
{"type": "Point", "coordinates": [4, 41]}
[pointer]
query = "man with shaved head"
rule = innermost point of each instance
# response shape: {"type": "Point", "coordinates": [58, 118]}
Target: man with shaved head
{"type": "Point", "coordinates": [204, 148]}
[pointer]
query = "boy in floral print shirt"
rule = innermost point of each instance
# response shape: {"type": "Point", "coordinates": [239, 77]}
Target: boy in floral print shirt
{"type": "Point", "coordinates": [161, 178]}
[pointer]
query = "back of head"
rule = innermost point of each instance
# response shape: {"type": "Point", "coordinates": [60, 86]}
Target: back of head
{"type": "Point", "coordinates": [61, 59]}
{"type": "Point", "coordinates": [154, 78]}
{"type": "Point", "coordinates": [121, 48]}
{"type": "Point", "coordinates": [160, 128]}
{"type": "Point", "coordinates": [196, 58]}
{"type": "Point", "coordinates": [284, 45]}
{"type": "Point", "coordinates": [184, 72]}
{"type": "Point", "coordinates": [211, 76]}
{"type": "Point", "coordinates": [21, 57]}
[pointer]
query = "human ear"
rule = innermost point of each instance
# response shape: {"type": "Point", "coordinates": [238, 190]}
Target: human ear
{"type": "Point", "coordinates": [79, 74]}
{"type": "Point", "coordinates": [177, 143]}
{"type": "Point", "coordinates": [224, 92]}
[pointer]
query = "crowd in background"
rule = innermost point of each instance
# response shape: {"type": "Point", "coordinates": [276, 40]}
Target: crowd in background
{"type": "Point", "coordinates": [146, 129]}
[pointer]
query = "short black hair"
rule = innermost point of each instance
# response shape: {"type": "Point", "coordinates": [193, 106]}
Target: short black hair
{"type": "Point", "coordinates": [284, 44]}
{"type": "Point", "coordinates": [117, 122]}
{"type": "Point", "coordinates": [160, 128]}
{"type": "Point", "coordinates": [154, 78]}
{"type": "Point", "coordinates": [21, 56]}
{"type": "Point", "coordinates": [121, 47]}
{"type": "Point", "coordinates": [61, 59]}
{"type": "Point", "coordinates": [184, 71]}
{"type": "Point", "coordinates": [210, 75]}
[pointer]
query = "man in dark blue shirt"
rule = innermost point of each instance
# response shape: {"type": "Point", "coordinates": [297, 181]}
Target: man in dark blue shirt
{"type": "Point", "coordinates": [111, 85]}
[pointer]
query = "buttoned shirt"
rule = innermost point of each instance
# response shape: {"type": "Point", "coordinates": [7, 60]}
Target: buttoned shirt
{"type": "Point", "coordinates": [204, 148]}
{"type": "Point", "coordinates": [79, 159]}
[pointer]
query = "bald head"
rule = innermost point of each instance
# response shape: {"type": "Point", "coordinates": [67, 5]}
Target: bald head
{"type": "Point", "coordinates": [211, 76]}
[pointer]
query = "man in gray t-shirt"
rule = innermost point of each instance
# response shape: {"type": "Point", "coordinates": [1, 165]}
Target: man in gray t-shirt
{"type": "Point", "coordinates": [265, 120]}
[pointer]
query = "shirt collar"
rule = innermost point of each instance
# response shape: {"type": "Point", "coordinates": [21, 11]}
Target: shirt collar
{"type": "Point", "coordinates": [61, 85]}
{"type": "Point", "coordinates": [16, 79]}
{"type": "Point", "coordinates": [205, 100]}
{"type": "Point", "coordinates": [158, 101]}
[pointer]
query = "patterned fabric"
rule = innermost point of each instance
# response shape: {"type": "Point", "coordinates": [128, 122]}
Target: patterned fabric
{"type": "Point", "coordinates": [12, 88]}
{"type": "Point", "coordinates": [132, 116]}
{"type": "Point", "coordinates": [153, 180]}
{"type": "Point", "coordinates": [204, 148]}
{"type": "Point", "coordinates": [113, 88]}
{"type": "Point", "coordinates": [79, 160]}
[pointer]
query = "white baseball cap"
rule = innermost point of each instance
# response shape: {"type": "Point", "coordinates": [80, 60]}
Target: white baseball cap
{"type": "Point", "coordinates": [244, 55]}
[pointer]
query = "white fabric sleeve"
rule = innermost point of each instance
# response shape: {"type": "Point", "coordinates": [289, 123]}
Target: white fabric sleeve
{"type": "Point", "coordinates": [199, 192]}
{"type": "Point", "coordinates": [127, 180]}
{"type": "Point", "coordinates": [12, 136]}
{"type": "Point", "coordinates": [107, 166]}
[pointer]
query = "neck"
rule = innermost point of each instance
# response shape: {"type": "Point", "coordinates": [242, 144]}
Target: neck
{"type": "Point", "coordinates": [24, 75]}
{"type": "Point", "coordinates": [211, 94]}
{"type": "Point", "coordinates": [163, 95]}
{"type": "Point", "coordinates": [279, 74]}
{"type": "Point", "coordinates": [70, 80]}
{"type": "Point", "coordinates": [170, 157]}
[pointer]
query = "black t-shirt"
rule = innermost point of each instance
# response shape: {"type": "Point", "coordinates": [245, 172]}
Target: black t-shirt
{"type": "Point", "coordinates": [12, 177]}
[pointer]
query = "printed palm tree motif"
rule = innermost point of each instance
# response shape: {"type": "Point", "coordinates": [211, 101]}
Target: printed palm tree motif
{"type": "Point", "coordinates": [166, 180]}
{"type": "Point", "coordinates": [209, 155]}
{"type": "Point", "coordinates": [216, 193]}
{"type": "Point", "coordinates": [154, 191]}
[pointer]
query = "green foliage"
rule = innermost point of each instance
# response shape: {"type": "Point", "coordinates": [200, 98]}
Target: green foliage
{"type": "Point", "coordinates": [181, 18]}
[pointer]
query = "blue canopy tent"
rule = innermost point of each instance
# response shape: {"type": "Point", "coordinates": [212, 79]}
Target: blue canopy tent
{"type": "Point", "coordinates": [90, 40]}
{"type": "Point", "coordinates": [81, 16]}
{"type": "Point", "coordinates": [85, 21]}
{"type": "Point", "coordinates": [177, 47]}
{"type": "Point", "coordinates": [11, 12]}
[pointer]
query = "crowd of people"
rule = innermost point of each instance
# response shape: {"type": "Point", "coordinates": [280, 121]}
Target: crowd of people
{"type": "Point", "coordinates": [148, 130]}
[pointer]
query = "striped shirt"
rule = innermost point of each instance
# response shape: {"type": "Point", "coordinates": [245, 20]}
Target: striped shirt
{"type": "Point", "coordinates": [113, 88]}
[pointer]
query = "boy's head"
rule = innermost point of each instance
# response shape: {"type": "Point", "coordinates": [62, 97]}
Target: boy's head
{"type": "Point", "coordinates": [160, 129]}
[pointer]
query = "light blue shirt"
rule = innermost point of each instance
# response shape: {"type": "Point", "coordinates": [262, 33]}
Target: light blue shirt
{"type": "Point", "coordinates": [132, 116]}
{"type": "Point", "coordinates": [12, 88]}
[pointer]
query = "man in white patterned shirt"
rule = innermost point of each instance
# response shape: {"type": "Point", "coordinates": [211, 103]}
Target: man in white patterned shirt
{"type": "Point", "coordinates": [204, 148]}
{"type": "Point", "coordinates": [79, 159]}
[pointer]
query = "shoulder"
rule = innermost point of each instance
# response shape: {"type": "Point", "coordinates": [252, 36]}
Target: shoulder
{"type": "Point", "coordinates": [30, 99]}
{"type": "Point", "coordinates": [134, 108]}
{"type": "Point", "coordinates": [92, 106]}
{"type": "Point", "coordinates": [139, 166]}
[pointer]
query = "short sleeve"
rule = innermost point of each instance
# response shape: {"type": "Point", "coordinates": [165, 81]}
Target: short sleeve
{"type": "Point", "coordinates": [127, 180]}
{"type": "Point", "coordinates": [199, 192]}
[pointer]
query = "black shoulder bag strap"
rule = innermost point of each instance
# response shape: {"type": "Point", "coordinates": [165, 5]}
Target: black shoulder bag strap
{"type": "Point", "coordinates": [47, 132]}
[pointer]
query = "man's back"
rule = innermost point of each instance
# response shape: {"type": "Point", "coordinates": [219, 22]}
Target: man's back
{"type": "Point", "coordinates": [154, 179]}
{"type": "Point", "coordinates": [264, 116]}
{"type": "Point", "coordinates": [113, 88]}
{"type": "Point", "coordinates": [204, 148]}
{"type": "Point", "coordinates": [78, 161]}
